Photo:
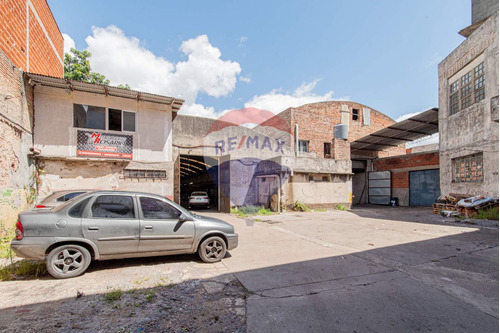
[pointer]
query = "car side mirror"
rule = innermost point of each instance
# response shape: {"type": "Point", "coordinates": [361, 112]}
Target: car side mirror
{"type": "Point", "coordinates": [183, 218]}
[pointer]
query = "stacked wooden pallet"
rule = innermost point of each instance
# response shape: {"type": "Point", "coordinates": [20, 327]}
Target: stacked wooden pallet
{"type": "Point", "coordinates": [445, 203]}
{"type": "Point", "coordinates": [448, 205]}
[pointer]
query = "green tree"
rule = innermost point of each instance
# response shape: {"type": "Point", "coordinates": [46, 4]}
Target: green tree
{"type": "Point", "coordinates": [77, 67]}
{"type": "Point", "coordinates": [126, 86]}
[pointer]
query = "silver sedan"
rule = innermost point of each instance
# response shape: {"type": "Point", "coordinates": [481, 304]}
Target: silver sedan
{"type": "Point", "coordinates": [104, 225]}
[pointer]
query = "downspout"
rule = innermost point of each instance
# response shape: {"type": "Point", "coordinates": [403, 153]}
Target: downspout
{"type": "Point", "coordinates": [296, 140]}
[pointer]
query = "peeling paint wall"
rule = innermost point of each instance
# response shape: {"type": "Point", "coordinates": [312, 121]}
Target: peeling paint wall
{"type": "Point", "coordinates": [57, 175]}
{"type": "Point", "coordinates": [17, 181]}
{"type": "Point", "coordinates": [471, 130]}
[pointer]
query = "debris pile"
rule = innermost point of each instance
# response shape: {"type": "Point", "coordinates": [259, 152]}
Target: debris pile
{"type": "Point", "coordinates": [462, 205]}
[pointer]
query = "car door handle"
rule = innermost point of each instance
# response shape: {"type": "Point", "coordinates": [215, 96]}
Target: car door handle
{"type": "Point", "coordinates": [148, 227]}
{"type": "Point", "coordinates": [93, 228]}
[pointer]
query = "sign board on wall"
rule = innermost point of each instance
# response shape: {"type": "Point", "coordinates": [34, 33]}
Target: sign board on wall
{"type": "Point", "coordinates": [98, 144]}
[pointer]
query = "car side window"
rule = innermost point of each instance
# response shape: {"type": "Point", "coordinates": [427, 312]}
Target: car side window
{"type": "Point", "coordinates": [72, 195]}
{"type": "Point", "coordinates": [158, 209]}
{"type": "Point", "coordinates": [77, 210]}
{"type": "Point", "coordinates": [113, 206]}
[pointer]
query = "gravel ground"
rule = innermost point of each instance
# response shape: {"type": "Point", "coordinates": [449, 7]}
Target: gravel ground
{"type": "Point", "coordinates": [163, 294]}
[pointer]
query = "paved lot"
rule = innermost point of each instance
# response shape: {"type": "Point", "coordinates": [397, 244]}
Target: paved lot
{"type": "Point", "coordinates": [366, 270]}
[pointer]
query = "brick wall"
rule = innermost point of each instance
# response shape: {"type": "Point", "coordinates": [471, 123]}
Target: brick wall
{"type": "Point", "coordinates": [401, 165]}
{"type": "Point", "coordinates": [39, 49]}
{"type": "Point", "coordinates": [17, 181]}
{"type": "Point", "coordinates": [317, 120]}
{"type": "Point", "coordinates": [407, 161]}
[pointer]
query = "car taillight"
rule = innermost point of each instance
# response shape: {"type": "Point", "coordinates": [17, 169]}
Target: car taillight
{"type": "Point", "coordinates": [39, 206]}
{"type": "Point", "coordinates": [19, 230]}
{"type": "Point", "coordinates": [205, 197]}
{"type": "Point", "coordinates": [190, 198]}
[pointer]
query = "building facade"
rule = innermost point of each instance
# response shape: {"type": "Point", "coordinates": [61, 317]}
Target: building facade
{"type": "Point", "coordinates": [309, 165]}
{"type": "Point", "coordinates": [89, 136]}
{"type": "Point", "coordinates": [468, 108]}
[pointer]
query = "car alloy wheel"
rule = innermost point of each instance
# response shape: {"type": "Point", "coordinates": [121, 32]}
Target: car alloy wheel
{"type": "Point", "coordinates": [212, 249]}
{"type": "Point", "coordinates": [68, 261]}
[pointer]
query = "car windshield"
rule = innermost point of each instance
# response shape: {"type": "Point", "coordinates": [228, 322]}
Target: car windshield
{"type": "Point", "coordinates": [199, 194]}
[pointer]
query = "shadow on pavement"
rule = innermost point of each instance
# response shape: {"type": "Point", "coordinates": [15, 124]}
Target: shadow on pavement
{"type": "Point", "coordinates": [446, 284]}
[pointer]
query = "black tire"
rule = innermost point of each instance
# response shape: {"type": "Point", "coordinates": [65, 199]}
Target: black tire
{"type": "Point", "coordinates": [68, 261]}
{"type": "Point", "coordinates": [212, 249]}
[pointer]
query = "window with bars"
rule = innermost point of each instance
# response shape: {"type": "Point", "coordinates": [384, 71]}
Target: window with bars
{"type": "Point", "coordinates": [144, 174]}
{"type": "Point", "coordinates": [468, 169]}
{"type": "Point", "coordinates": [469, 89]}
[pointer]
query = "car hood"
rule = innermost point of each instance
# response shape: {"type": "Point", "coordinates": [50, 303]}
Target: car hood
{"type": "Point", "coordinates": [214, 221]}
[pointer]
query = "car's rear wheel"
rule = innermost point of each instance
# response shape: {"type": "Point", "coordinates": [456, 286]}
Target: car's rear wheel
{"type": "Point", "coordinates": [68, 261]}
{"type": "Point", "coordinates": [212, 249]}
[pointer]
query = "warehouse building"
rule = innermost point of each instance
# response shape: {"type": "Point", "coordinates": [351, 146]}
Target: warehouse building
{"type": "Point", "coordinates": [468, 108]}
{"type": "Point", "coordinates": [325, 155]}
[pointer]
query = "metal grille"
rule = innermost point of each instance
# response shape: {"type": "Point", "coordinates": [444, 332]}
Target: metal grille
{"type": "Point", "coordinates": [144, 174]}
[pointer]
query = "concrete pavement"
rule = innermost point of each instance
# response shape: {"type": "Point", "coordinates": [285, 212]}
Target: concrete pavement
{"type": "Point", "coordinates": [375, 270]}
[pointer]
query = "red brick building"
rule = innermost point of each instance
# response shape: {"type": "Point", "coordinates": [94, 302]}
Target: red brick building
{"type": "Point", "coordinates": [30, 37]}
{"type": "Point", "coordinates": [316, 122]}
{"type": "Point", "coordinates": [30, 41]}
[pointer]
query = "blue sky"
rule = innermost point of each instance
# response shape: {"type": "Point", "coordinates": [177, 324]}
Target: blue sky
{"type": "Point", "coordinates": [272, 53]}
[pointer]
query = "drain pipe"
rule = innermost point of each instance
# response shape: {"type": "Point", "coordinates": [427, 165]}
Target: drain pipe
{"type": "Point", "coordinates": [297, 140]}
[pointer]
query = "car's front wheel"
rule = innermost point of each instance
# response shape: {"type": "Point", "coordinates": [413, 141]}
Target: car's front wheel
{"type": "Point", "coordinates": [212, 249]}
{"type": "Point", "coordinates": [68, 261]}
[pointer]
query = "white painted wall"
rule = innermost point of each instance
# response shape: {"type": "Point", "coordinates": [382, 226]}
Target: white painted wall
{"type": "Point", "coordinates": [56, 136]}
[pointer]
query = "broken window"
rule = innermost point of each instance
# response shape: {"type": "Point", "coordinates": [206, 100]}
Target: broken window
{"type": "Point", "coordinates": [119, 120]}
{"type": "Point", "coordinates": [114, 120]}
{"type": "Point", "coordinates": [468, 90]}
{"type": "Point", "coordinates": [327, 148]}
{"type": "Point", "coordinates": [303, 146]}
{"type": "Point", "coordinates": [355, 114]}
{"type": "Point", "coordinates": [468, 169]}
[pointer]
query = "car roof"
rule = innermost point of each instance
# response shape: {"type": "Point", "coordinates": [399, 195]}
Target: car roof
{"type": "Point", "coordinates": [126, 193]}
{"type": "Point", "coordinates": [69, 191]}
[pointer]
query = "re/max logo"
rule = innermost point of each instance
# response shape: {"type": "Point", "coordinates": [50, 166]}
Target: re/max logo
{"type": "Point", "coordinates": [251, 143]}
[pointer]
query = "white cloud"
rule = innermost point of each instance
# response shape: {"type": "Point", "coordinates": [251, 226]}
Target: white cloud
{"type": "Point", "coordinates": [68, 43]}
{"type": "Point", "coordinates": [123, 59]}
{"type": "Point", "coordinates": [242, 40]}
{"type": "Point", "coordinates": [276, 100]}
{"type": "Point", "coordinates": [434, 60]}
{"type": "Point", "coordinates": [246, 79]}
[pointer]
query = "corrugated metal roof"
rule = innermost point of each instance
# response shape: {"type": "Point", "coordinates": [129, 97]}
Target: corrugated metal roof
{"type": "Point", "coordinates": [61, 83]}
{"type": "Point", "coordinates": [416, 127]}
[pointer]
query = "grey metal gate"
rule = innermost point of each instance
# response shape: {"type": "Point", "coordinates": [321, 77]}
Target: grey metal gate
{"type": "Point", "coordinates": [379, 188]}
{"type": "Point", "coordinates": [424, 187]}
